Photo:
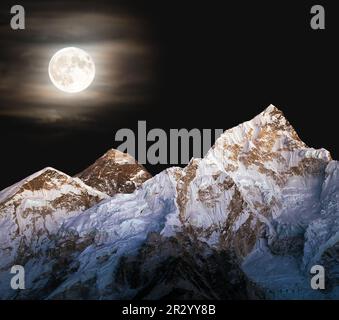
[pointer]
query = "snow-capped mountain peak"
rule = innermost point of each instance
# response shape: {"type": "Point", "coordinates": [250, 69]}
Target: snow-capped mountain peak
{"type": "Point", "coordinates": [115, 172]}
{"type": "Point", "coordinates": [32, 210]}
{"type": "Point", "coordinates": [47, 181]}
{"type": "Point", "coordinates": [268, 144]}
{"type": "Point", "coordinates": [247, 220]}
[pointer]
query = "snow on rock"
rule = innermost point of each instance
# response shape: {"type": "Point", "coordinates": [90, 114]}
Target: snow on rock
{"type": "Point", "coordinates": [260, 194]}
{"type": "Point", "coordinates": [322, 234]}
{"type": "Point", "coordinates": [33, 209]}
{"type": "Point", "coordinates": [259, 180]}
{"type": "Point", "coordinates": [119, 225]}
{"type": "Point", "coordinates": [115, 172]}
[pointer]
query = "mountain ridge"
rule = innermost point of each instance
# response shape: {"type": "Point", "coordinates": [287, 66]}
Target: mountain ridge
{"type": "Point", "coordinates": [260, 202]}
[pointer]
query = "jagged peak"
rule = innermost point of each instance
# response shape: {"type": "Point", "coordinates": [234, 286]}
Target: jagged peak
{"type": "Point", "coordinates": [46, 170]}
{"type": "Point", "coordinates": [272, 115]}
{"type": "Point", "coordinates": [272, 109]}
{"type": "Point", "coordinates": [271, 120]}
{"type": "Point", "coordinates": [46, 173]}
{"type": "Point", "coordinates": [118, 157]}
{"type": "Point", "coordinates": [267, 137]}
{"type": "Point", "coordinates": [10, 191]}
{"type": "Point", "coordinates": [37, 174]}
{"type": "Point", "coordinates": [114, 172]}
{"type": "Point", "coordinates": [46, 177]}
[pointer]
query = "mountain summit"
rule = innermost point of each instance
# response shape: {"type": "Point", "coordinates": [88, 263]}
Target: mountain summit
{"type": "Point", "coordinates": [247, 221]}
{"type": "Point", "coordinates": [115, 172]}
{"type": "Point", "coordinates": [32, 211]}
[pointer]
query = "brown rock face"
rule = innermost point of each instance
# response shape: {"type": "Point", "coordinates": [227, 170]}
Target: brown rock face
{"type": "Point", "coordinates": [115, 172]}
{"type": "Point", "coordinates": [49, 191]}
{"type": "Point", "coordinates": [33, 210]}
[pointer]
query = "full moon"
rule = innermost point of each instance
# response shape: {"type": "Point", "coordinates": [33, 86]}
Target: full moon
{"type": "Point", "coordinates": [71, 70]}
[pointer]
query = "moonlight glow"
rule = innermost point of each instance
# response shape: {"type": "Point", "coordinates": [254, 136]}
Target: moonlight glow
{"type": "Point", "coordinates": [71, 70]}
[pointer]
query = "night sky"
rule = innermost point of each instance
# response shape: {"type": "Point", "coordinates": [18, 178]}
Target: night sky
{"type": "Point", "coordinates": [174, 64]}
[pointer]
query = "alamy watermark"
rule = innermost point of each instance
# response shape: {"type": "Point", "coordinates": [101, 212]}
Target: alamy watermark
{"type": "Point", "coordinates": [318, 18]}
{"type": "Point", "coordinates": [18, 18]}
{"type": "Point", "coordinates": [317, 281]}
{"type": "Point", "coordinates": [18, 280]}
{"type": "Point", "coordinates": [317, 21]}
{"type": "Point", "coordinates": [158, 147]}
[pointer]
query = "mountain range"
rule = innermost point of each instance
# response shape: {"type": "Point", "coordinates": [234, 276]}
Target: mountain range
{"type": "Point", "coordinates": [247, 221]}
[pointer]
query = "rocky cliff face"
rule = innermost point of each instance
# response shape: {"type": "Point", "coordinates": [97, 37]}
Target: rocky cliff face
{"type": "Point", "coordinates": [247, 221]}
{"type": "Point", "coordinates": [115, 172]}
{"type": "Point", "coordinates": [32, 211]}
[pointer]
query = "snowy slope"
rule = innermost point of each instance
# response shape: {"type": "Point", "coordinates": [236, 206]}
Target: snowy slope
{"type": "Point", "coordinates": [258, 181]}
{"type": "Point", "coordinates": [33, 209]}
{"type": "Point", "coordinates": [254, 215]}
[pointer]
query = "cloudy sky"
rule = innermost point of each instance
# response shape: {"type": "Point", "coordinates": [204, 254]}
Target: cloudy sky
{"type": "Point", "coordinates": [175, 64]}
{"type": "Point", "coordinates": [116, 39]}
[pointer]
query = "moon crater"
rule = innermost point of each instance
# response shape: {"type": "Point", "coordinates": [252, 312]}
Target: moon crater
{"type": "Point", "coordinates": [71, 70]}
